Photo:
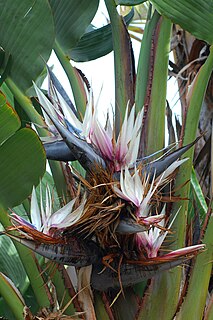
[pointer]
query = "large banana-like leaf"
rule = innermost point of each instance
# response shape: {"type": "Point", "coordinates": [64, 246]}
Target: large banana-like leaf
{"type": "Point", "coordinates": [96, 43]}
{"type": "Point", "coordinates": [18, 155]}
{"type": "Point", "coordinates": [9, 120]}
{"type": "Point", "coordinates": [27, 34]}
{"type": "Point", "coordinates": [71, 20]}
{"type": "Point", "coordinates": [195, 16]}
{"type": "Point", "coordinates": [19, 152]}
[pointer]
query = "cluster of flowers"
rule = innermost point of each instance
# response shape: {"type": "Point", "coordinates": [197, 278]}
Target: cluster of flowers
{"type": "Point", "coordinates": [135, 187]}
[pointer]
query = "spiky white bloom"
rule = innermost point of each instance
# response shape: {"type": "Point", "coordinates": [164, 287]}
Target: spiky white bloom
{"type": "Point", "coordinates": [139, 190]}
{"type": "Point", "coordinates": [120, 152]}
{"type": "Point", "coordinates": [152, 239]}
{"type": "Point", "coordinates": [44, 219]}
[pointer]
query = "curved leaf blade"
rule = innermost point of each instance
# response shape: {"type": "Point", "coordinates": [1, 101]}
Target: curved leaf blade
{"type": "Point", "coordinates": [12, 296]}
{"type": "Point", "coordinates": [195, 16]}
{"type": "Point", "coordinates": [27, 33]}
{"type": "Point", "coordinates": [71, 20]}
{"type": "Point", "coordinates": [18, 155]}
{"type": "Point", "coordinates": [96, 43]}
{"type": "Point", "coordinates": [9, 121]}
{"type": "Point", "coordinates": [10, 264]}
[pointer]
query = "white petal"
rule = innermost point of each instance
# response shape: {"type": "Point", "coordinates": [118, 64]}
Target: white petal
{"type": "Point", "coordinates": [128, 188]}
{"type": "Point", "coordinates": [88, 117]}
{"type": "Point", "coordinates": [58, 216]}
{"type": "Point", "coordinates": [48, 207]}
{"type": "Point", "coordinates": [130, 124]}
{"type": "Point", "coordinates": [144, 207]}
{"type": "Point", "coordinates": [49, 108]}
{"type": "Point", "coordinates": [69, 115]}
{"type": "Point", "coordinates": [134, 144]}
{"type": "Point", "coordinates": [43, 214]}
{"type": "Point", "coordinates": [120, 193]}
{"type": "Point", "coordinates": [102, 141]}
{"type": "Point", "coordinates": [171, 169]}
{"type": "Point", "coordinates": [65, 217]}
{"type": "Point", "coordinates": [139, 188]}
{"type": "Point", "coordinates": [35, 211]}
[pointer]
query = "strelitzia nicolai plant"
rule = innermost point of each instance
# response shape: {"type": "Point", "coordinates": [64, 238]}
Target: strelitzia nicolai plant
{"type": "Point", "coordinates": [128, 202]}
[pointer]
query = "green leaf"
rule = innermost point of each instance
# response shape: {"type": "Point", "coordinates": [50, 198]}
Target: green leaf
{"type": "Point", "coordinates": [74, 78]}
{"type": "Point", "coordinates": [157, 103]}
{"type": "Point", "coordinates": [2, 57]}
{"type": "Point", "coordinates": [22, 163]}
{"type": "Point", "coordinates": [71, 20]}
{"type": "Point", "coordinates": [170, 282]}
{"type": "Point", "coordinates": [195, 16]}
{"type": "Point", "coordinates": [12, 296]}
{"type": "Point", "coordinates": [199, 280]}
{"type": "Point", "coordinates": [199, 197]}
{"type": "Point", "coordinates": [9, 120]}
{"type": "Point", "coordinates": [63, 293]}
{"type": "Point", "coordinates": [100, 308]}
{"type": "Point", "coordinates": [27, 33]}
{"type": "Point", "coordinates": [10, 264]}
{"type": "Point", "coordinates": [96, 43]}
{"type": "Point", "coordinates": [124, 72]}
{"type": "Point", "coordinates": [7, 67]}
{"type": "Point", "coordinates": [8, 94]}
{"type": "Point", "coordinates": [144, 62]}
{"type": "Point", "coordinates": [48, 180]}
{"type": "Point", "coordinates": [28, 259]}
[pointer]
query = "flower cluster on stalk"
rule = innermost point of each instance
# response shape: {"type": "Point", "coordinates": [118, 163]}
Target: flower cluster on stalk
{"type": "Point", "coordinates": [121, 204]}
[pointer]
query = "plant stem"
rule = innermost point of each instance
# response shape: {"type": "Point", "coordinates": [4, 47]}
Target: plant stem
{"type": "Point", "coordinates": [28, 260]}
{"type": "Point", "coordinates": [27, 105]}
{"type": "Point", "coordinates": [11, 297]}
{"type": "Point", "coordinates": [74, 79]}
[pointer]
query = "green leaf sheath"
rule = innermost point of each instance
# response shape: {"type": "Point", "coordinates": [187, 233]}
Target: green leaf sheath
{"type": "Point", "coordinates": [144, 62]}
{"type": "Point", "coordinates": [169, 282]}
{"type": "Point", "coordinates": [124, 69]}
{"type": "Point", "coordinates": [195, 300]}
{"type": "Point", "coordinates": [190, 129]}
{"type": "Point", "coordinates": [157, 108]}
{"type": "Point", "coordinates": [27, 34]}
